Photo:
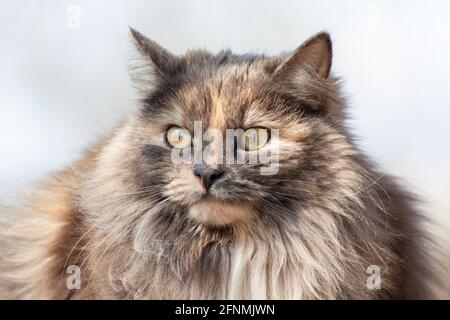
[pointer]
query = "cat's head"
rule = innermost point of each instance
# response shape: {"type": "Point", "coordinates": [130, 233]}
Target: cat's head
{"type": "Point", "coordinates": [277, 138]}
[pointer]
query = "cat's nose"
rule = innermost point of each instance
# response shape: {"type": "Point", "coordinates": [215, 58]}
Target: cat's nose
{"type": "Point", "coordinates": [207, 175]}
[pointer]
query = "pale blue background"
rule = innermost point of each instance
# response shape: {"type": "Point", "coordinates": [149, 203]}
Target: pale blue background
{"type": "Point", "coordinates": [60, 89]}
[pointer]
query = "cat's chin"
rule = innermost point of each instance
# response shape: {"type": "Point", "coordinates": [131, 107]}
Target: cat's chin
{"type": "Point", "coordinates": [216, 212]}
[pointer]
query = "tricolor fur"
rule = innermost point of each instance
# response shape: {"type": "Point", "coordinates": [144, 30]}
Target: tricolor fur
{"type": "Point", "coordinates": [137, 225]}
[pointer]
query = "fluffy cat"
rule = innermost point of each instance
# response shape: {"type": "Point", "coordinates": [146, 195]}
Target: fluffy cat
{"type": "Point", "coordinates": [137, 225]}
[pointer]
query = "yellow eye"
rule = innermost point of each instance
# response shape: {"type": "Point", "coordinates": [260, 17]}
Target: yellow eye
{"type": "Point", "coordinates": [179, 138]}
{"type": "Point", "coordinates": [253, 139]}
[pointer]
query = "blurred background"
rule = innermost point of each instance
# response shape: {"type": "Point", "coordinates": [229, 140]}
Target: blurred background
{"type": "Point", "coordinates": [64, 82]}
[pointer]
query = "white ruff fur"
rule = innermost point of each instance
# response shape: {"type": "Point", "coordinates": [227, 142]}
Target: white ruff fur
{"type": "Point", "coordinates": [295, 263]}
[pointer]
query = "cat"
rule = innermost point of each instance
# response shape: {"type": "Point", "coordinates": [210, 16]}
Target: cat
{"type": "Point", "coordinates": [127, 221]}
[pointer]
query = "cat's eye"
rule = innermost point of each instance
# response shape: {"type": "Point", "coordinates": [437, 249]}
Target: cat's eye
{"type": "Point", "coordinates": [178, 137]}
{"type": "Point", "coordinates": [253, 139]}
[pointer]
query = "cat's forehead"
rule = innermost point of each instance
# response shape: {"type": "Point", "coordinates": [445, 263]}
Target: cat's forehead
{"type": "Point", "coordinates": [221, 96]}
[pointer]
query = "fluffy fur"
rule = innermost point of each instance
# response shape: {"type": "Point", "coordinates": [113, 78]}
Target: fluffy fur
{"type": "Point", "coordinates": [138, 226]}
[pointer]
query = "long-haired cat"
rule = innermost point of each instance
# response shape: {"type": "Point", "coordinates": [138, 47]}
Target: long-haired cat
{"type": "Point", "coordinates": [128, 222]}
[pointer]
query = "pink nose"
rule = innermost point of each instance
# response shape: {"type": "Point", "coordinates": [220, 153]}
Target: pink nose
{"type": "Point", "coordinates": [207, 175]}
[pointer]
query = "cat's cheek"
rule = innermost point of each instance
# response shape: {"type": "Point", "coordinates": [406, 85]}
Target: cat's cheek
{"type": "Point", "coordinates": [184, 186]}
{"type": "Point", "coordinates": [213, 212]}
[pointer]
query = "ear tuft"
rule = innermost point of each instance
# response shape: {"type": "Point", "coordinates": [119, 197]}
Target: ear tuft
{"type": "Point", "coordinates": [161, 59]}
{"type": "Point", "coordinates": [315, 53]}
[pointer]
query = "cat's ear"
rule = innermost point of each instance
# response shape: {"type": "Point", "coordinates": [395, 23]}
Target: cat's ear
{"type": "Point", "coordinates": [161, 60]}
{"type": "Point", "coordinates": [304, 75]}
{"type": "Point", "coordinates": [314, 54]}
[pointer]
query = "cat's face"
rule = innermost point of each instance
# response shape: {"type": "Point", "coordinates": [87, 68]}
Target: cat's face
{"type": "Point", "coordinates": [269, 134]}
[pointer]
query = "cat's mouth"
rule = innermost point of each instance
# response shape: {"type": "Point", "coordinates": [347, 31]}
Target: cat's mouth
{"type": "Point", "coordinates": [208, 197]}
{"type": "Point", "coordinates": [215, 211]}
